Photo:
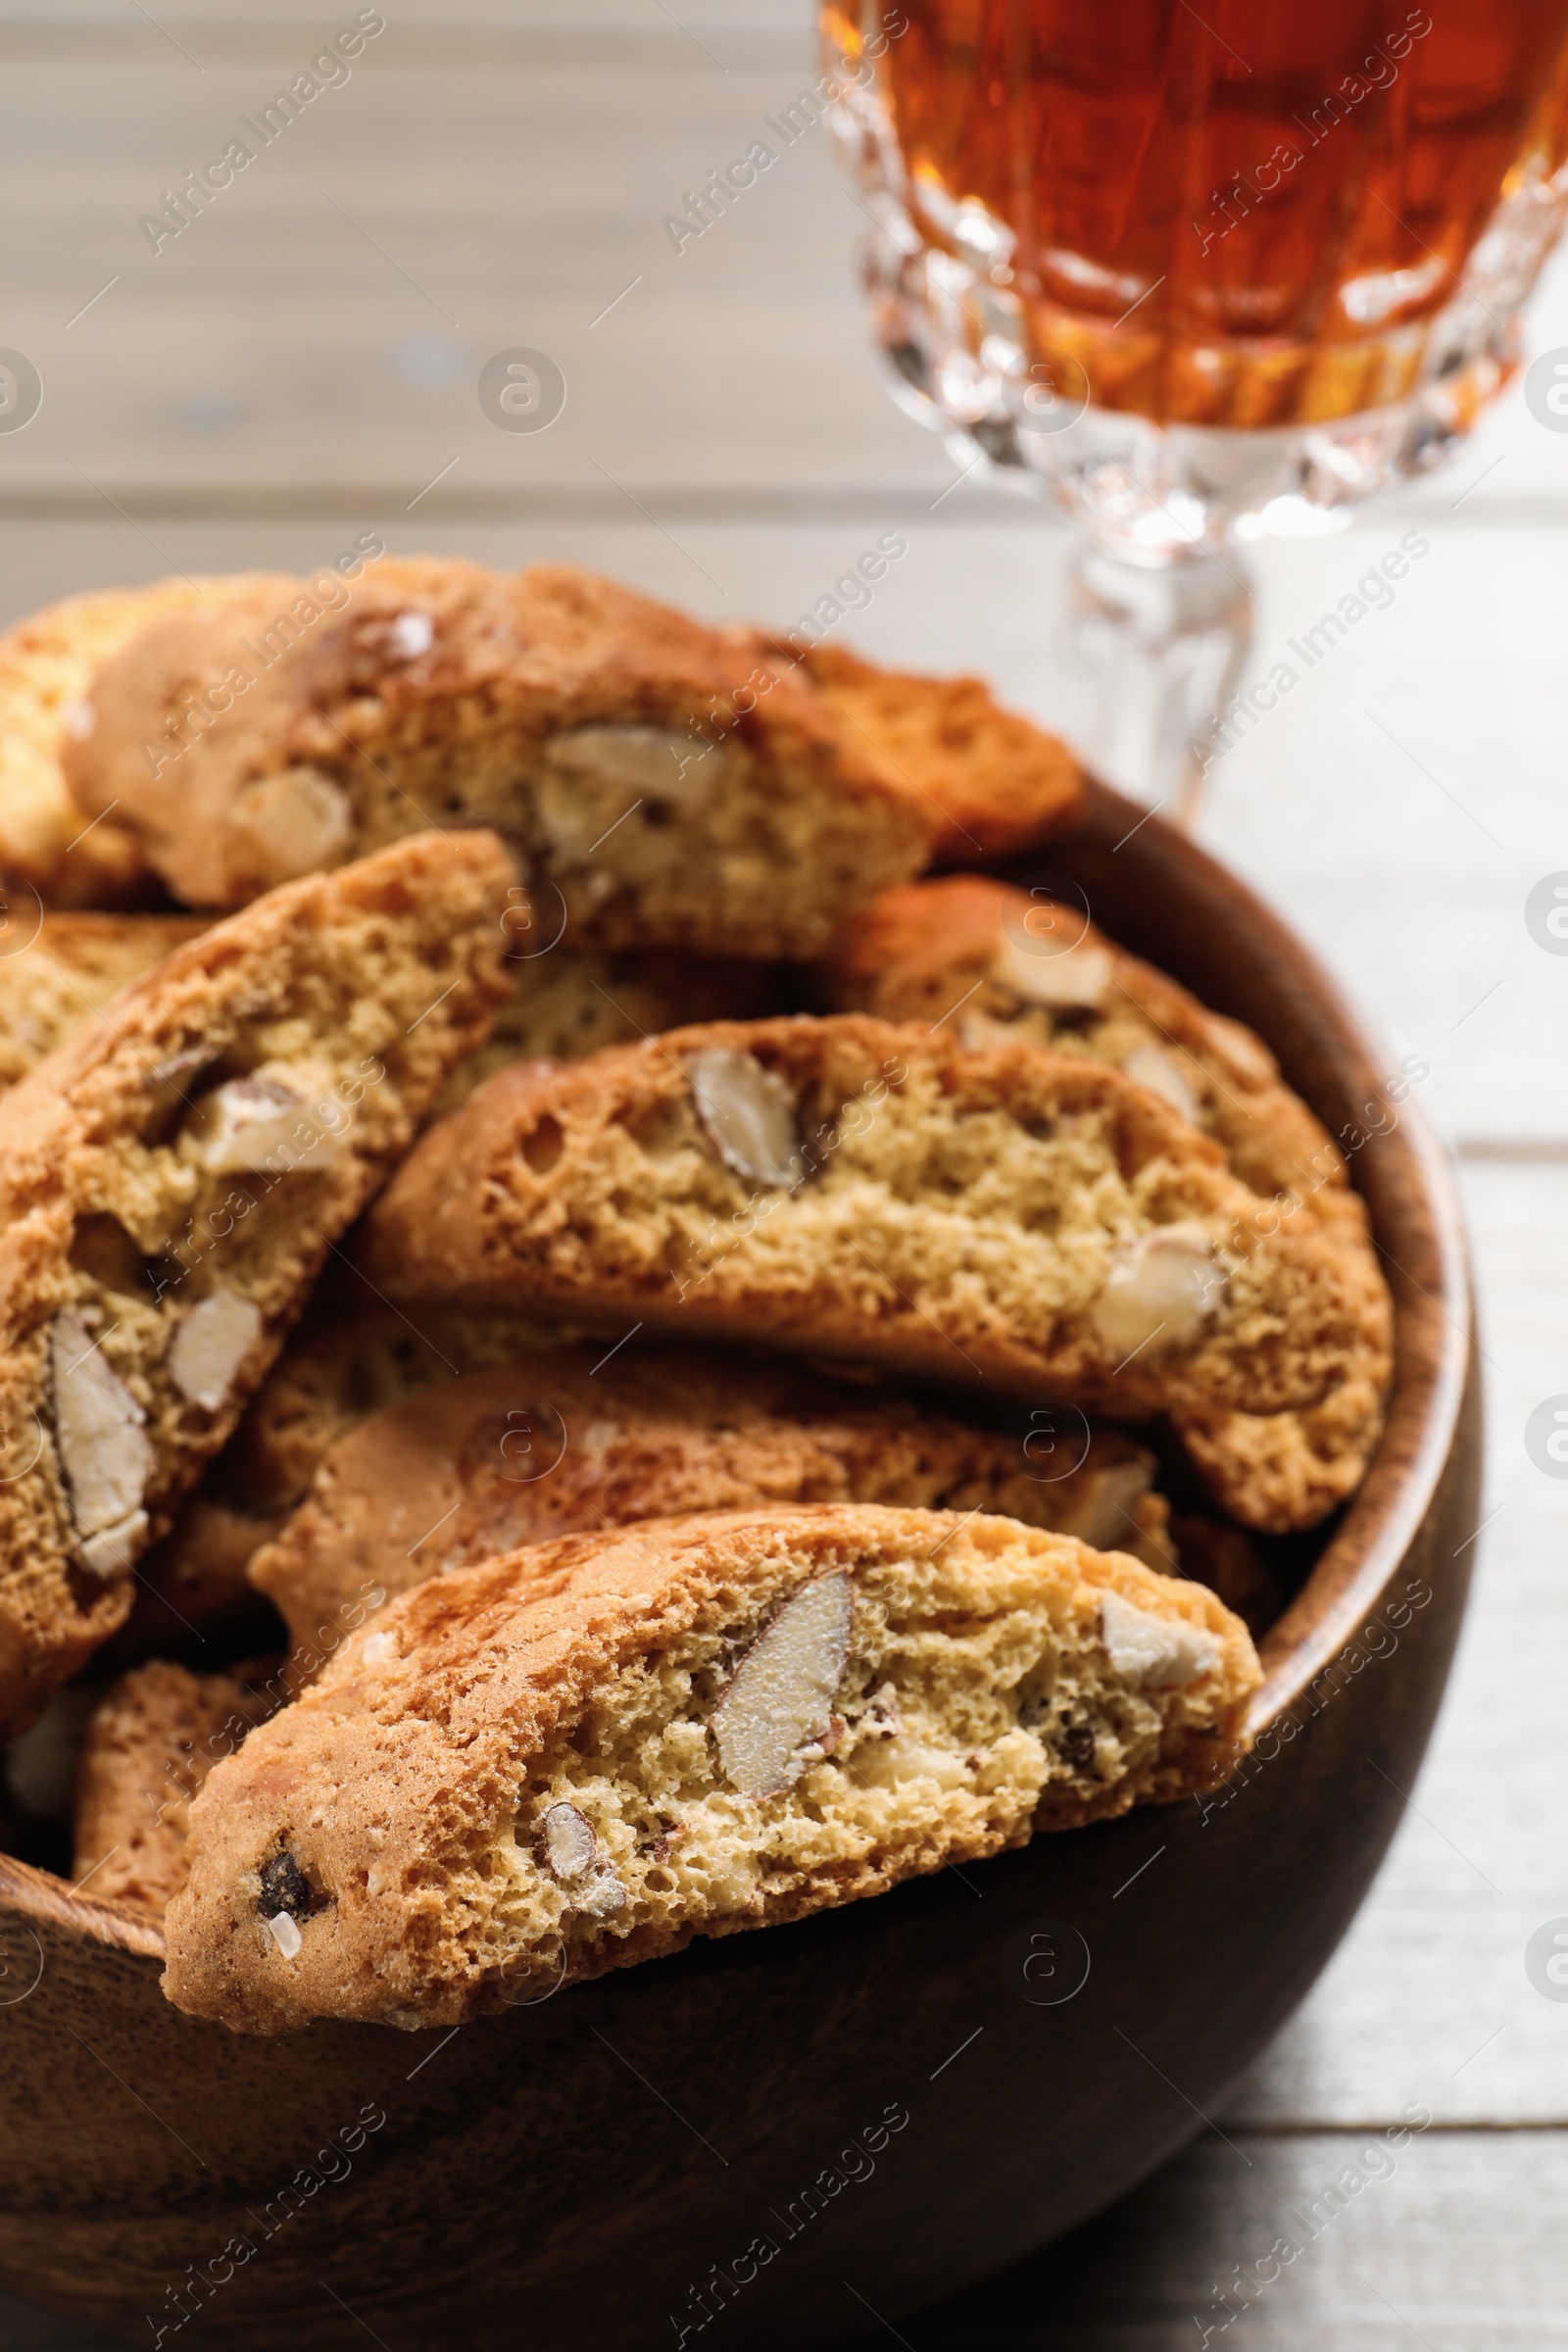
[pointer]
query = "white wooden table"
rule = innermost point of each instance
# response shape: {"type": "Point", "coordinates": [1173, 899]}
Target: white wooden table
{"type": "Point", "coordinates": [300, 364]}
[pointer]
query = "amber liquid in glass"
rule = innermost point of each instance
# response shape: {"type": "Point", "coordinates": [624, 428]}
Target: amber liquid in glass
{"type": "Point", "coordinates": [1244, 215]}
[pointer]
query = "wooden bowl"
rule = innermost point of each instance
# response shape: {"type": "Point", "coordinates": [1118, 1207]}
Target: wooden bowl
{"type": "Point", "coordinates": [782, 2133]}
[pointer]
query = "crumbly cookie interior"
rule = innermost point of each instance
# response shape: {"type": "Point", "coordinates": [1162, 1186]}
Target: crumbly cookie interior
{"type": "Point", "coordinates": [170, 1206]}
{"type": "Point", "coordinates": [986, 1224]}
{"type": "Point", "coordinates": [653, 834]}
{"type": "Point", "coordinates": [70, 971]}
{"type": "Point", "coordinates": [185, 1210]}
{"type": "Point", "coordinates": [974, 1686]}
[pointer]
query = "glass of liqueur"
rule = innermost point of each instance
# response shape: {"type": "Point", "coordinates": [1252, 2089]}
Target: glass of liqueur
{"type": "Point", "coordinates": [1202, 275]}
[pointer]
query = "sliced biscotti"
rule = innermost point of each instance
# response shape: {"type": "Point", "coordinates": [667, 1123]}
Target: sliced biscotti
{"type": "Point", "coordinates": [581, 1756]}
{"type": "Point", "coordinates": [846, 1187]}
{"type": "Point", "coordinates": [146, 1748]}
{"type": "Point", "coordinates": [341, 1363]}
{"type": "Point", "coordinates": [993, 963]}
{"type": "Point", "coordinates": [171, 1181]}
{"type": "Point", "coordinates": [348, 1359]}
{"type": "Point", "coordinates": [47, 664]}
{"type": "Point", "coordinates": [998, 782]}
{"type": "Point", "coordinates": [564, 1442]}
{"type": "Point", "coordinates": [654, 796]}
{"type": "Point", "coordinates": [60, 971]}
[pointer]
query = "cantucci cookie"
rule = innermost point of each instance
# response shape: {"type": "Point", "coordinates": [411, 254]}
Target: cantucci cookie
{"type": "Point", "coordinates": [345, 1361]}
{"type": "Point", "coordinates": [575, 715]}
{"type": "Point", "coordinates": [998, 782]}
{"type": "Point", "coordinates": [993, 963]}
{"type": "Point", "coordinates": [60, 971]}
{"type": "Point", "coordinates": [563, 1442]}
{"type": "Point", "coordinates": [170, 1182]}
{"type": "Point", "coordinates": [581, 1756]}
{"type": "Point", "coordinates": [47, 664]}
{"type": "Point", "coordinates": [846, 1187]}
{"type": "Point", "coordinates": [342, 1363]}
{"type": "Point", "coordinates": [147, 1747]}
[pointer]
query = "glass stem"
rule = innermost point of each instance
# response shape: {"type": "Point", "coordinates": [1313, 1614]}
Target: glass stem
{"type": "Point", "coordinates": [1158, 648]}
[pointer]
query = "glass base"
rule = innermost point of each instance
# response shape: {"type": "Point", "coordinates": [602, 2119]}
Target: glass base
{"type": "Point", "coordinates": [1158, 650]}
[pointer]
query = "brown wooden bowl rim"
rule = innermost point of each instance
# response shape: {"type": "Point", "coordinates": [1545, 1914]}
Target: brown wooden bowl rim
{"type": "Point", "coordinates": [1383, 1518]}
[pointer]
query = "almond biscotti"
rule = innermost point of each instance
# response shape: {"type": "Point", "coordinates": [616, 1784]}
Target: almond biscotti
{"type": "Point", "coordinates": [171, 1181]}
{"type": "Point", "coordinates": [59, 972]}
{"type": "Point", "coordinates": [575, 717]}
{"type": "Point", "coordinates": [146, 1748]}
{"type": "Point", "coordinates": [993, 963]}
{"type": "Point", "coordinates": [563, 1442]}
{"type": "Point", "coordinates": [340, 1364]}
{"type": "Point", "coordinates": [998, 782]}
{"type": "Point", "coordinates": [575, 1758]}
{"type": "Point", "coordinates": [47, 664]}
{"type": "Point", "coordinates": [353, 1355]}
{"type": "Point", "coordinates": [844, 1187]}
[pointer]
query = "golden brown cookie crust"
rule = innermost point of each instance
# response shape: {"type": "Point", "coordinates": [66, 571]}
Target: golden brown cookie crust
{"type": "Point", "coordinates": [965, 952]}
{"type": "Point", "coordinates": [1000, 783]}
{"type": "Point", "coordinates": [152, 1258]}
{"type": "Point", "coordinates": [380, 1849]}
{"type": "Point", "coordinates": [563, 1442]}
{"type": "Point", "coordinates": [147, 1747]}
{"type": "Point", "coordinates": [962, 1215]}
{"type": "Point", "coordinates": [47, 664]}
{"type": "Point", "coordinates": [655, 799]}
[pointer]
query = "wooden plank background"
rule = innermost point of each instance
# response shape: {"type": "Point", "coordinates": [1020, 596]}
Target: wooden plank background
{"type": "Point", "coordinates": [301, 365]}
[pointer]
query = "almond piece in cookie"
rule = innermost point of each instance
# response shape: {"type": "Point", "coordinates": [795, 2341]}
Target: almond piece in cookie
{"type": "Point", "coordinates": [1029, 1219]}
{"type": "Point", "coordinates": [341, 1363]}
{"type": "Point", "coordinates": [983, 958]}
{"type": "Point", "coordinates": [570, 1759]}
{"type": "Point", "coordinates": [661, 790]}
{"type": "Point", "coordinates": [993, 963]}
{"type": "Point", "coordinates": [171, 1181]}
{"type": "Point", "coordinates": [562, 1442]}
{"type": "Point", "coordinates": [147, 1747]}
